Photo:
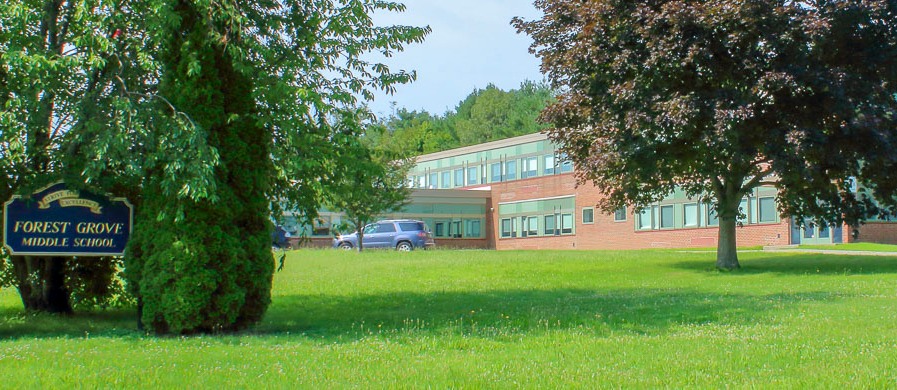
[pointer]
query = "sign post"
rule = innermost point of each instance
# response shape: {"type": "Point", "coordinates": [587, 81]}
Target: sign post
{"type": "Point", "coordinates": [56, 221]}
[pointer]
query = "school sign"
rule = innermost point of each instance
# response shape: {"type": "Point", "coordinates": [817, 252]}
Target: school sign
{"type": "Point", "coordinates": [57, 221]}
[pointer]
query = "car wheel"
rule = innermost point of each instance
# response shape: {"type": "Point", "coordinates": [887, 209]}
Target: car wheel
{"type": "Point", "coordinates": [345, 246]}
{"type": "Point", "coordinates": [404, 246]}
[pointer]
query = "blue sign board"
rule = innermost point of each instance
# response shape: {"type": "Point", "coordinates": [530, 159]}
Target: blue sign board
{"type": "Point", "coordinates": [57, 221]}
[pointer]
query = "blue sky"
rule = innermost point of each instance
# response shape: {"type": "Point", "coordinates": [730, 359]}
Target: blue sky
{"type": "Point", "coordinates": [472, 45]}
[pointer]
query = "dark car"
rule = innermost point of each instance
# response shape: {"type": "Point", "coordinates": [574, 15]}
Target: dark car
{"type": "Point", "coordinates": [402, 234]}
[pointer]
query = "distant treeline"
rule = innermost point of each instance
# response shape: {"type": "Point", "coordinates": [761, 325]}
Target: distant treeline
{"type": "Point", "coordinates": [485, 115]}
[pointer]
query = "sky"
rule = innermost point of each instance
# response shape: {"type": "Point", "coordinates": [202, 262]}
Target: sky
{"type": "Point", "coordinates": [472, 44]}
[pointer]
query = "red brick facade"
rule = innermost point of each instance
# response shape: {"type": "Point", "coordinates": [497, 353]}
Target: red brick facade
{"type": "Point", "coordinates": [605, 233]}
{"type": "Point", "coordinates": [880, 232]}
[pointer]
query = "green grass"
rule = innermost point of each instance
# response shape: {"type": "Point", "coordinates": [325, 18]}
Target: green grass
{"type": "Point", "coordinates": [857, 246]}
{"type": "Point", "coordinates": [486, 319]}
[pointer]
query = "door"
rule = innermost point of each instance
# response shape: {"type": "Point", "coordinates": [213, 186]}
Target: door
{"type": "Point", "coordinates": [381, 235]}
{"type": "Point", "coordinates": [811, 233]}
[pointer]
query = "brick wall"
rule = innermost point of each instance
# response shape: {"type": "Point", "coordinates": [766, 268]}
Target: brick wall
{"type": "Point", "coordinates": [605, 233]}
{"type": "Point", "coordinates": [880, 232]}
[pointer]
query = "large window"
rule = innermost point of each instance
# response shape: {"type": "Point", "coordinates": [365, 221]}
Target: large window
{"type": "Point", "coordinates": [446, 180]}
{"type": "Point", "coordinates": [511, 170]}
{"type": "Point", "coordinates": [439, 229]}
{"type": "Point", "coordinates": [644, 219]}
{"type": "Point", "coordinates": [667, 217]}
{"type": "Point", "coordinates": [549, 164]}
{"type": "Point", "coordinates": [767, 209]}
{"type": "Point", "coordinates": [495, 169]}
{"type": "Point", "coordinates": [566, 164]}
{"type": "Point", "coordinates": [459, 177]}
{"type": "Point", "coordinates": [472, 176]}
{"type": "Point", "coordinates": [472, 228]}
{"type": "Point", "coordinates": [431, 182]}
{"type": "Point", "coordinates": [690, 211]}
{"type": "Point", "coordinates": [743, 209]}
{"type": "Point", "coordinates": [588, 215]}
{"type": "Point", "coordinates": [530, 226]}
{"type": "Point", "coordinates": [530, 167]}
{"type": "Point", "coordinates": [455, 229]}
{"type": "Point", "coordinates": [712, 218]}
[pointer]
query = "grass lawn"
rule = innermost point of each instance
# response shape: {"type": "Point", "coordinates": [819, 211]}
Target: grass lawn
{"type": "Point", "coordinates": [855, 246]}
{"type": "Point", "coordinates": [486, 319]}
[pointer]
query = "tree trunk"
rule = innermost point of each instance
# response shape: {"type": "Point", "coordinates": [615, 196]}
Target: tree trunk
{"type": "Point", "coordinates": [726, 249]}
{"type": "Point", "coordinates": [41, 283]}
{"type": "Point", "coordinates": [360, 240]}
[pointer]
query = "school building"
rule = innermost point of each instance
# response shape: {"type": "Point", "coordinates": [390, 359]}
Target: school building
{"type": "Point", "coordinates": [520, 193]}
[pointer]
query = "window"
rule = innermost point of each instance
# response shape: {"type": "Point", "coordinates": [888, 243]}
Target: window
{"type": "Point", "coordinates": [530, 167]}
{"type": "Point", "coordinates": [550, 226]}
{"type": "Point", "coordinates": [471, 228]}
{"type": "Point", "coordinates": [412, 226]}
{"type": "Point", "coordinates": [506, 227]}
{"type": "Point", "coordinates": [767, 209]}
{"type": "Point", "coordinates": [321, 226]}
{"type": "Point", "coordinates": [712, 218]}
{"type": "Point", "coordinates": [690, 211]}
{"type": "Point", "coordinates": [588, 215]}
{"type": "Point", "coordinates": [531, 228]}
{"type": "Point", "coordinates": [511, 170]}
{"type": "Point", "coordinates": [472, 176]}
{"type": "Point", "coordinates": [567, 223]}
{"type": "Point", "coordinates": [459, 177]}
{"type": "Point", "coordinates": [385, 228]}
{"type": "Point", "coordinates": [743, 209]}
{"type": "Point", "coordinates": [431, 183]}
{"type": "Point", "coordinates": [823, 231]}
{"type": "Point", "coordinates": [496, 172]}
{"type": "Point", "coordinates": [666, 217]}
{"type": "Point", "coordinates": [566, 164]}
{"type": "Point", "coordinates": [549, 164]}
{"type": "Point", "coordinates": [439, 230]}
{"type": "Point", "coordinates": [644, 219]}
{"type": "Point", "coordinates": [455, 229]}
{"type": "Point", "coordinates": [446, 180]}
{"type": "Point", "coordinates": [620, 214]}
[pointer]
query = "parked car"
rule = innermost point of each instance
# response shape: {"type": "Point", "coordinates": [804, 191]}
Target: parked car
{"type": "Point", "coordinates": [401, 234]}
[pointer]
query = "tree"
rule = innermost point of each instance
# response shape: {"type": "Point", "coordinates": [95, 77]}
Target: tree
{"type": "Point", "coordinates": [717, 97]}
{"type": "Point", "coordinates": [372, 182]}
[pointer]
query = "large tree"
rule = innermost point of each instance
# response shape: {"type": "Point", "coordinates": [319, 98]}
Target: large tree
{"type": "Point", "coordinates": [717, 97]}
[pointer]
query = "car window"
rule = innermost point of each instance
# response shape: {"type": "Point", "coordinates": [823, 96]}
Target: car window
{"type": "Point", "coordinates": [411, 226]}
{"type": "Point", "coordinates": [385, 228]}
{"type": "Point", "coordinates": [370, 228]}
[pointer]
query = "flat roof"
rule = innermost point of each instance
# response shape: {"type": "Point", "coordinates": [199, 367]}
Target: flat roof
{"type": "Point", "coordinates": [523, 139]}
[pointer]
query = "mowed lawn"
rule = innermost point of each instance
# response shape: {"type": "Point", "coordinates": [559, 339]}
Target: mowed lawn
{"type": "Point", "coordinates": [486, 319]}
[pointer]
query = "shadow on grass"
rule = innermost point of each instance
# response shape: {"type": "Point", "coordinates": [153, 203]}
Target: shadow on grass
{"type": "Point", "coordinates": [15, 323]}
{"type": "Point", "coordinates": [503, 314]}
{"type": "Point", "coordinates": [802, 264]}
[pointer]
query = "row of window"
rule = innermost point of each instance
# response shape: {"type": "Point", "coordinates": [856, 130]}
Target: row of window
{"type": "Point", "coordinates": [496, 172]}
{"type": "Point", "coordinates": [458, 228]}
{"type": "Point", "coordinates": [687, 215]}
{"type": "Point", "coordinates": [537, 225]}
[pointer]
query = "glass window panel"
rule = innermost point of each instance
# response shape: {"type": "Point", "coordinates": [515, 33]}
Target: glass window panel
{"type": "Point", "coordinates": [472, 176]}
{"type": "Point", "coordinates": [712, 218]}
{"type": "Point", "coordinates": [472, 228]}
{"type": "Point", "coordinates": [530, 167]}
{"type": "Point", "coordinates": [431, 184]}
{"type": "Point", "coordinates": [644, 219]}
{"type": "Point", "coordinates": [496, 172]}
{"type": "Point", "coordinates": [549, 164]}
{"type": "Point", "coordinates": [566, 164]}
{"type": "Point", "coordinates": [566, 223]}
{"type": "Point", "coordinates": [809, 230]}
{"type": "Point", "coordinates": [666, 217]}
{"type": "Point", "coordinates": [549, 225]}
{"type": "Point", "coordinates": [823, 231]}
{"type": "Point", "coordinates": [588, 215]}
{"type": "Point", "coordinates": [455, 229]}
{"type": "Point", "coordinates": [532, 226]}
{"type": "Point", "coordinates": [743, 209]}
{"type": "Point", "coordinates": [691, 214]}
{"type": "Point", "coordinates": [767, 209]}
{"type": "Point", "coordinates": [446, 180]}
{"type": "Point", "coordinates": [511, 170]}
{"type": "Point", "coordinates": [620, 214]}
{"type": "Point", "coordinates": [506, 227]}
{"type": "Point", "coordinates": [459, 177]}
{"type": "Point", "coordinates": [439, 230]}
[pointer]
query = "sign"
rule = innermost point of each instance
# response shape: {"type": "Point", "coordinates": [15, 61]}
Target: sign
{"type": "Point", "coordinates": [56, 221]}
